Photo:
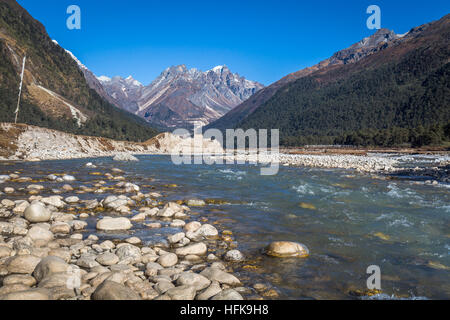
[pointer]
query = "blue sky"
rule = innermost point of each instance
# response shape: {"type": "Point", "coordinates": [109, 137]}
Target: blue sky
{"type": "Point", "coordinates": [261, 40]}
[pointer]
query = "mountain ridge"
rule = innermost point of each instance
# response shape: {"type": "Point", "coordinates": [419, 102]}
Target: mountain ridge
{"type": "Point", "coordinates": [56, 94]}
{"type": "Point", "coordinates": [380, 40]}
{"type": "Point", "coordinates": [397, 95]}
{"type": "Point", "coordinates": [179, 96]}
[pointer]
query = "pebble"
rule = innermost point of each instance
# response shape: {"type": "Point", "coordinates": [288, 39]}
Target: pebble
{"type": "Point", "coordinates": [8, 190]}
{"type": "Point", "coordinates": [125, 157]}
{"type": "Point", "coordinates": [68, 178]}
{"type": "Point", "coordinates": [72, 200]}
{"type": "Point", "coordinates": [133, 240]}
{"type": "Point", "coordinates": [196, 203]}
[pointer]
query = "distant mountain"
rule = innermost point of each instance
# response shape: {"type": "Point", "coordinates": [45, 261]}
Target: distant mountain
{"type": "Point", "coordinates": [179, 97]}
{"type": "Point", "coordinates": [387, 90]}
{"type": "Point", "coordinates": [56, 92]}
{"type": "Point", "coordinates": [124, 92]}
{"type": "Point", "coordinates": [381, 40]}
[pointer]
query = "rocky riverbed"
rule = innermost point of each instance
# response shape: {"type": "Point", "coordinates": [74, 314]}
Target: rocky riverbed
{"type": "Point", "coordinates": [364, 164]}
{"type": "Point", "coordinates": [59, 246]}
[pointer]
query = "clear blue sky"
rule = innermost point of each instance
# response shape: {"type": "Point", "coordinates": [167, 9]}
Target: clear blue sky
{"type": "Point", "coordinates": [261, 40]}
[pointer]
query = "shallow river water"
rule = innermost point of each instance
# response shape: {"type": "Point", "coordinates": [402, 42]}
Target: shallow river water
{"type": "Point", "coordinates": [348, 221]}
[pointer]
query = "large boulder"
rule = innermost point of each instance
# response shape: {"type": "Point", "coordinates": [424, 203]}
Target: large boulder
{"type": "Point", "coordinates": [33, 294]}
{"type": "Point", "coordinates": [48, 266]}
{"type": "Point", "coordinates": [129, 253]}
{"type": "Point", "coordinates": [24, 264]}
{"type": "Point", "coordinates": [114, 224]}
{"type": "Point", "coordinates": [284, 249]}
{"type": "Point", "coordinates": [40, 235]}
{"type": "Point", "coordinates": [19, 279]}
{"type": "Point", "coordinates": [110, 290]}
{"type": "Point", "coordinates": [37, 213]}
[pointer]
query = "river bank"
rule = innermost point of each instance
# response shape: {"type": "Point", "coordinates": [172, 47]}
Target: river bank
{"type": "Point", "coordinates": [64, 238]}
{"type": "Point", "coordinates": [29, 143]}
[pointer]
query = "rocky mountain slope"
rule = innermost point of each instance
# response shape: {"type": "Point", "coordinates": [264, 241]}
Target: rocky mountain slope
{"type": "Point", "coordinates": [381, 40]}
{"type": "Point", "coordinates": [56, 93]}
{"type": "Point", "coordinates": [180, 96]}
{"type": "Point", "coordinates": [399, 94]}
{"type": "Point", "coordinates": [124, 92]}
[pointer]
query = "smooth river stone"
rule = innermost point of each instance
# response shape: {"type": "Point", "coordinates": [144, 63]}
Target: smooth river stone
{"type": "Point", "coordinates": [48, 266]}
{"type": "Point", "coordinates": [198, 249]}
{"type": "Point", "coordinates": [228, 295]}
{"type": "Point", "coordinates": [284, 249]}
{"type": "Point", "coordinates": [168, 260]}
{"type": "Point", "coordinates": [22, 264]}
{"type": "Point", "coordinates": [110, 290]}
{"type": "Point", "coordinates": [36, 213]}
{"type": "Point", "coordinates": [114, 224]}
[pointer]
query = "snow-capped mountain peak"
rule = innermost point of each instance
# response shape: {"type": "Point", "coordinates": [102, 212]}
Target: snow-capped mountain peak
{"type": "Point", "coordinates": [178, 96]}
{"type": "Point", "coordinates": [104, 79]}
{"type": "Point", "coordinates": [219, 68]}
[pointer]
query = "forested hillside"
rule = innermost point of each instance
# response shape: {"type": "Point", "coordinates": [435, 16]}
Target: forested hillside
{"type": "Point", "coordinates": [399, 96]}
{"type": "Point", "coordinates": [50, 67]}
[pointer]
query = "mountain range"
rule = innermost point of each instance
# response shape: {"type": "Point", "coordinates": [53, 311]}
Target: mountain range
{"type": "Point", "coordinates": [385, 90]}
{"type": "Point", "coordinates": [181, 96]}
